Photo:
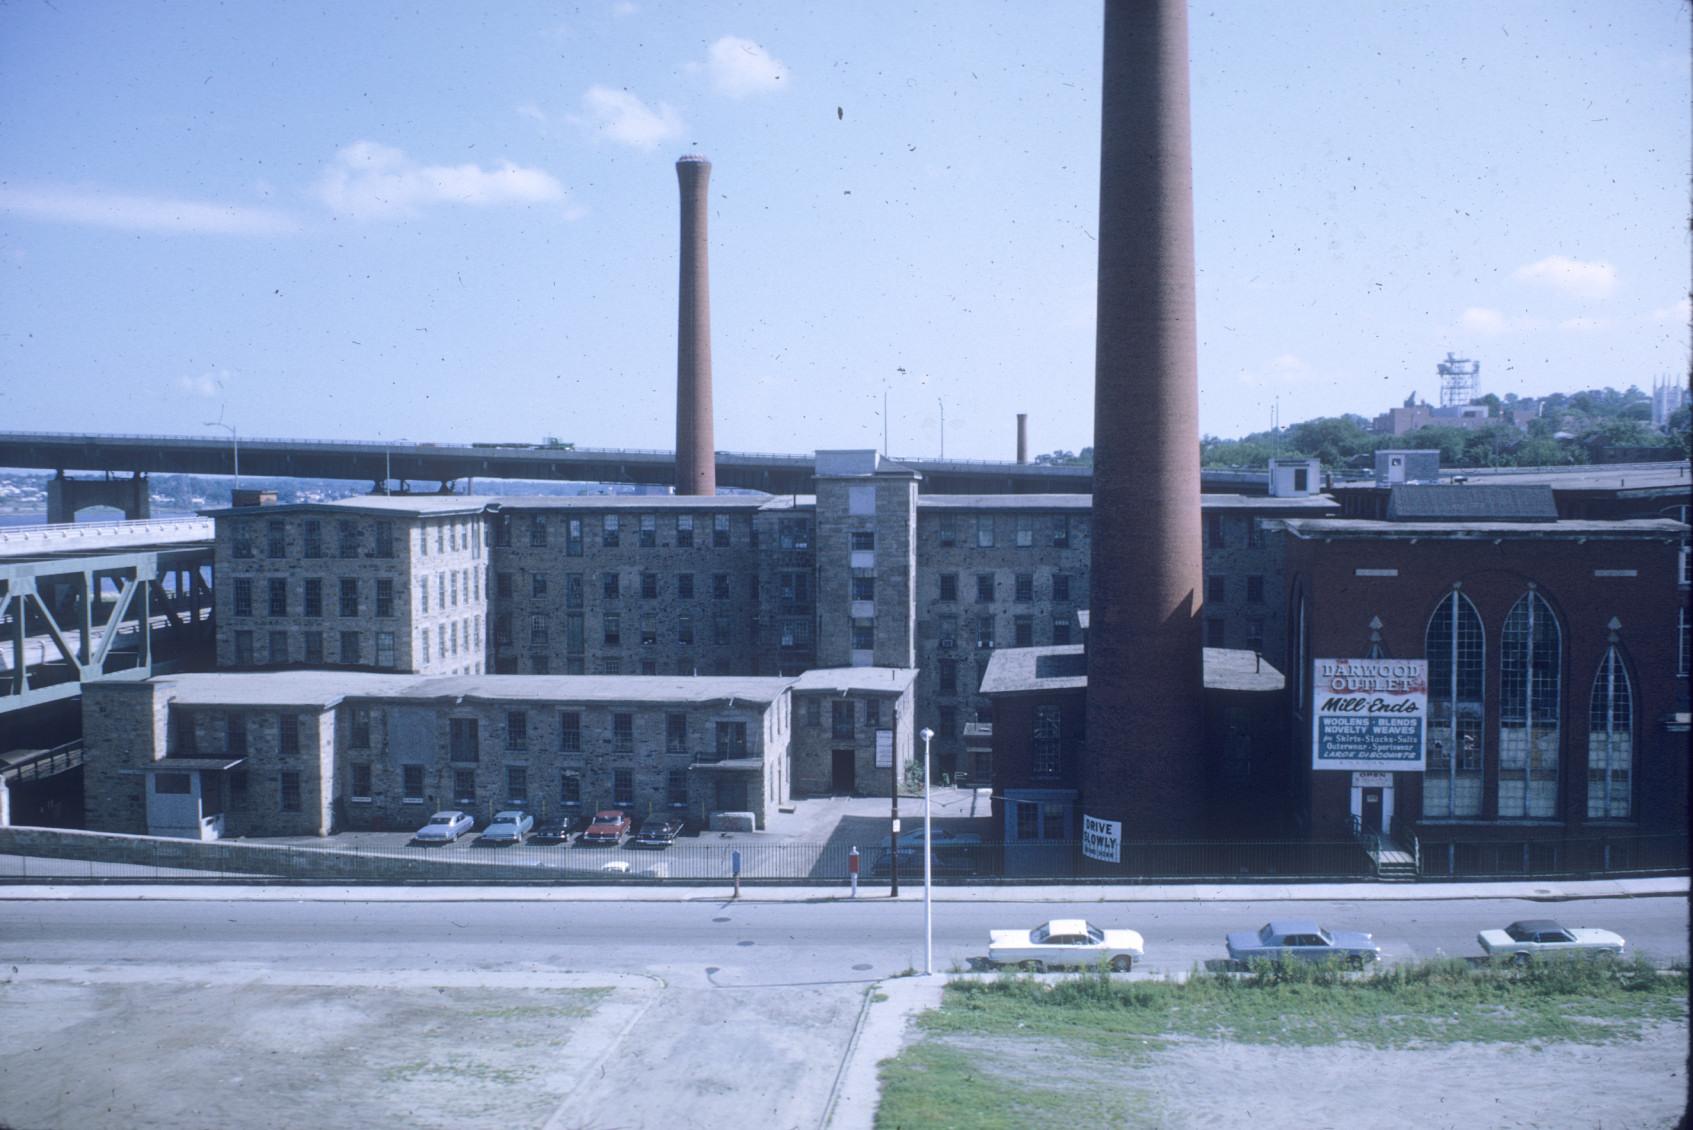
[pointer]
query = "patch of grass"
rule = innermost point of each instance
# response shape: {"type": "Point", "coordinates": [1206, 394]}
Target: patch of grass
{"type": "Point", "coordinates": [940, 1086]}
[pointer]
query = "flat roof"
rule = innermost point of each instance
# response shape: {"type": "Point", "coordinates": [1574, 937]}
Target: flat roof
{"type": "Point", "coordinates": [400, 505]}
{"type": "Point", "coordinates": [892, 680]}
{"type": "Point", "coordinates": [632, 502]}
{"type": "Point", "coordinates": [326, 688]}
{"type": "Point", "coordinates": [1084, 502]}
{"type": "Point", "coordinates": [1624, 529]}
{"type": "Point", "coordinates": [89, 539]}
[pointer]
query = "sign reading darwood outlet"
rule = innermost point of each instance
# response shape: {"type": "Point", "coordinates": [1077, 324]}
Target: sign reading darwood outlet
{"type": "Point", "coordinates": [1369, 714]}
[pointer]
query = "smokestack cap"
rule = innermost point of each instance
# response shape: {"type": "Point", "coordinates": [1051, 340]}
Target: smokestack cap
{"type": "Point", "coordinates": [693, 159]}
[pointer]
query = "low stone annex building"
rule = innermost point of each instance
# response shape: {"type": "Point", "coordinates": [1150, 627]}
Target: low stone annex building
{"type": "Point", "coordinates": [294, 753]}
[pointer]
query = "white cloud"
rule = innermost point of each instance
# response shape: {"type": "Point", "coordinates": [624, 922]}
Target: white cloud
{"type": "Point", "coordinates": [1285, 369]}
{"type": "Point", "coordinates": [533, 112]}
{"type": "Point", "coordinates": [624, 8]}
{"type": "Point", "coordinates": [128, 212]}
{"type": "Point", "coordinates": [206, 385]}
{"type": "Point", "coordinates": [1680, 311]}
{"type": "Point", "coordinates": [625, 119]}
{"type": "Point", "coordinates": [1585, 325]}
{"type": "Point", "coordinates": [739, 67]}
{"type": "Point", "coordinates": [372, 181]}
{"type": "Point", "coordinates": [1482, 319]}
{"type": "Point", "coordinates": [1578, 277]}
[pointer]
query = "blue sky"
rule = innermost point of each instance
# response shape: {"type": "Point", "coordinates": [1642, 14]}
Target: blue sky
{"type": "Point", "coordinates": [451, 222]}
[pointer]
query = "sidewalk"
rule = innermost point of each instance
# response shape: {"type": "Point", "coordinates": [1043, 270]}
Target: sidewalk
{"type": "Point", "coordinates": [1543, 890]}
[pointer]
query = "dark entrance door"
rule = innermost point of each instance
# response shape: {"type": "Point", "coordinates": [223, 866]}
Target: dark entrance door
{"type": "Point", "coordinates": [841, 772]}
{"type": "Point", "coordinates": [1370, 819]}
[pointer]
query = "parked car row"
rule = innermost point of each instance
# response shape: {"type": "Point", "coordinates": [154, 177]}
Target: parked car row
{"type": "Point", "coordinates": [1074, 942]}
{"type": "Point", "coordinates": [608, 827]}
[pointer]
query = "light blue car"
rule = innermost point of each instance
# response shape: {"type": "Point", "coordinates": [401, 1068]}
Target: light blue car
{"type": "Point", "coordinates": [508, 827]}
{"type": "Point", "coordinates": [1301, 939]}
{"type": "Point", "coordinates": [444, 827]}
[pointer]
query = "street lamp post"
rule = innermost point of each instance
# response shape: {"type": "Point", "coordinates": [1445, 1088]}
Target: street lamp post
{"type": "Point", "coordinates": [235, 448]}
{"type": "Point", "coordinates": [928, 866]}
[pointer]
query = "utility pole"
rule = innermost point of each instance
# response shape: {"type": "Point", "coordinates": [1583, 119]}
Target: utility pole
{"type": "Point", "coordinates": [893, 795]}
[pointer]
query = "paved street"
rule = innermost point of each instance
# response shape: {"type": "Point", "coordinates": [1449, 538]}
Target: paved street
{"type": "Point", "coordinates": [505, 1012]}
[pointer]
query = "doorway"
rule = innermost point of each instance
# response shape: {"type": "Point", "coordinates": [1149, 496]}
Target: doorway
{"type": "Point", "coordinates": [842, 774]}
{"type": "Point", "coordinates": [1369, 816]}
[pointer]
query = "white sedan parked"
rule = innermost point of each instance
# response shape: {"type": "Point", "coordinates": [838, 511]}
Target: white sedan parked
{"type": "Point", "coordinates": [1524, 941]}
{"type": "Point", "coordinates": [1065, 941]}
{"type": "Point", "coordinates": [444, 827]}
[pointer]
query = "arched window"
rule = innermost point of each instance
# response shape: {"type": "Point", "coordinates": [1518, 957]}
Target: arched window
{"type": "Point", "coordinates": [1610, 742]}
{"type": "Point", "coordinates": [1454, 646]}
{"type": "Point", "coordinates": [1530, 656]}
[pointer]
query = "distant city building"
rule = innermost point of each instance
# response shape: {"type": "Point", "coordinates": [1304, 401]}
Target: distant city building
{"type": "Point", "coordinates": [1667, 396]}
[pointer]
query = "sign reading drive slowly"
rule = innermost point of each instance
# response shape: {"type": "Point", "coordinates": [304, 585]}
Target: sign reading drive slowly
{"type": "Point", "coordinates": [1369, 714]}
{"type": "Point", "coordinates": [1102, 839]}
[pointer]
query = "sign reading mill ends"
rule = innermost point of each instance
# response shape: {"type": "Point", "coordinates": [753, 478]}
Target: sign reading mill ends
{"type": "Point", "coordinates": [1369, 714]}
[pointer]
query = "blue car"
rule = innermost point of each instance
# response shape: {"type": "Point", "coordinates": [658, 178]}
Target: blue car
{"type": "Point", "coordinates": [508, 827]}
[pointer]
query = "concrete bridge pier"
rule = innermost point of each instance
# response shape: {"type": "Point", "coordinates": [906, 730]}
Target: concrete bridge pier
{"type": "Point", "coordinates": [65, 496]}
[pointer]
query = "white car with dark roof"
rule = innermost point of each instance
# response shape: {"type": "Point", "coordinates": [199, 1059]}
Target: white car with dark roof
{"type": "Point", "coordinates": [1066, 942]}
{"type": "Point", "coordinates": [1522, 942]}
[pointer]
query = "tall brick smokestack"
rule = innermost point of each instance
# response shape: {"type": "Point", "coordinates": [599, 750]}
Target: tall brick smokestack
{"type": "Point", "coordinates": [1022, 437]}
{"type": "Point", "coordinates": [696, 457]}
{"type": "Point", "coordinates": [1145, 722]}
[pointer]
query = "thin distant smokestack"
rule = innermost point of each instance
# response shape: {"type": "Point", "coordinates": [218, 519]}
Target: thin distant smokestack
{"type": "Point", "coordinates": [1145, 702]}
{"type": "Point", "coordinates": [696, 457]}
{"type": "Point", "coordinates": [1022, 437]}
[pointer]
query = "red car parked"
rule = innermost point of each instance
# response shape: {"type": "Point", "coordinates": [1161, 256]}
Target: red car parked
{"type": "Point", "coordinates": [609, 827]}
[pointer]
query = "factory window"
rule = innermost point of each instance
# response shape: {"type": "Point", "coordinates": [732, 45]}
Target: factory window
{"type": "Point", "coordinates": [1025, 531]}
{"type": "Point", "coordinates": [984, 531]}
{"type": "Point", "coordinates": [517, 784]}
{"type": "Point", "coordinates": [623, 733]}
{"type": "Point", "coordinates": [347, 538]}
{"type": "Point", "coordinates": [984, 631]}
{"type": "Point", "coordinates": [517, 729]}
{"type": "Point", "coordinates": [313, 643]}
{"type": "Point", "coordinates": [361, 789]}
{"type": "Point", "coordinates": [623, 787]}
{"type": "Point", "coordinates": [1255, 636]}
{"type": "Point", "coordinates": [1047, 743]}
{"type": "Point", "coordinates": [537, 530]}
{"type": "Point", "coordinates": [1216, 589]}
{"type": "Point", "coordinates": [464, 786]}
{"type": "Point", "coordinates": [863, 635]}
{"type": "Point", "coordinates": [610, 585]}
{"type": "Point", "coordinates": [573, 537]}
{"type": "Point", "coordinates": [539, 664]}
{"type": "Point", "coordinates": [649, 586]}
{"type": "Point", "coordinates": [349, 596]}
{"type": "Point", "coordinates": [453, 588]}
{"type": "Point", "coordinates": [235, 733]}
{"type": "Point", "coordinates": [384, 596]}
{"type": "Point", "coordinates": [463, 739]}
{"type": "Point", "coordinates": [872, 713]}
{"type": "Point", "coordinates": [241, 544]}
{"type": "Point", "coordinates": [1028, 819]}
{"type": "Point", "coordinates": [1023, 631]}
{"type": "Point", "coordinates": [287, 733]}
{"type": "Point", "coordinates": [276, 538]}
{"type": "Point", "coordinates": [1061, 586]}
{"type": "Point", "coordinates": [946, 530]}
{"type": "Point", "coordinates": [649, 628]}
{"type": "Point", "coordinates": [720, 586]}
{"type": "Point", "coordinates": [649, 666]}
{"type": "Point", "coordinates": [1061, 531]}
{"type": "Point", "coordinates": [720, 530]}
{"type": "Point", "coordinates": [411, 782]}
{"type": "Point", "coordinates": [984, 588]}
{"type": "Point", "coordinates": [947, 626]}
{"type": "Point", "coordinates": [1253, 537]}
{"type": "Point", "coordinates": [1025, 587]}
{"type": "Point", "coordinates": [863, 540]}
{"type": "Point", "coordinates": [796, 588]}
{"type": "Point", "coordinates": [676, 733]}
{"type": "Point", "coordinates": [861, 500]}
{"type": "Point", "coordinates": [722, 633]}
{"type": "Point", "coordinates": [278, 652]}
{"type": "Point", "coordinates": [385, 649]}
{"type": "Point", "coordinates": [609, 534]}
{"type": "Point", "coordinates": [648, 531]}
{"type": "Point", "coordinates": [685, 586]}
{"type": "Point", "coordinates": [384, 539]}
{"type": "Point", "coordinates": [243, 596]}
{"type": "Point", "coordinates": [1454, 644]}
{"type": "Point", "coordinates": [612, 622]}
{"type": "Point", "coordinates": [359, 736]}
{"type": "Point", "coordinates": [1060, 630]}
{"type": "Point", "coordinates": [1530, 702]}
{"type": "Point", "coordinates": [277, 590]}
{"type": "Point", "coordinates": [676, 788]}
{"type": "Point", "coordinates": [570, 731]}
{"type": "Point", "coordinates": [1610, 747]}
{"type": "Point", "coordinates": [502, 631]}
{"type": "Point", "coordinates": [312, 531]}
{"type": "Point", "coordinates": [350, 647]}
{"type": "Point", "coordinates": [1214, 531]}
{"type": "Point", "coordinates": [290, 787]}
{"type": "Point", "coordinates": [1255, 590]}
{"type": "Point", "coordinates": [948, 676]}
{"type": "Point", "coordinates": [573, 595]}
{"type": "Point", "coordinates": [796, 633]}
{"type": "Point", "coordinates": [441, 642]}
{"type": "Point", "coordinates": [947, 727]}
{"type": "Point", "coordinates": [684, 628]}
{"type": "Point", "coordinates": [685, 531]}
{"type": "Point", "coordinates": [1216, 631]}
{"type": "Point", "coordinates": [538, 584]}
{"type": "Point", "coordinates": [244, 648]}
{"type": "Point", "coordinates": [570, 789]}
{"type": "Point", "coordinates": [791, 533]}
{"type": "Point", "coordinates": [949, 586]}
{"type": "Point", "coordinates": [537, 631]}
{"type": "Point", "coordinates": [864, 588]}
